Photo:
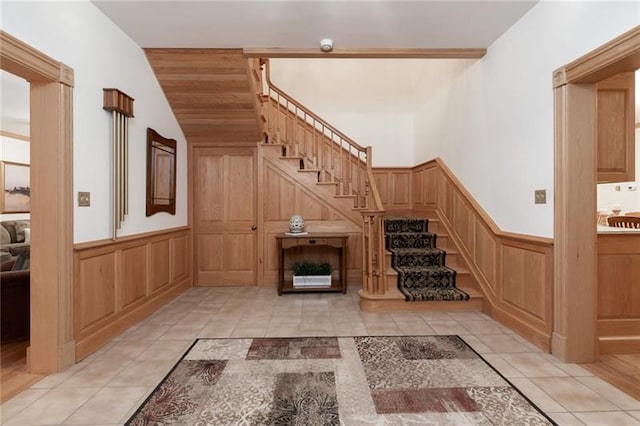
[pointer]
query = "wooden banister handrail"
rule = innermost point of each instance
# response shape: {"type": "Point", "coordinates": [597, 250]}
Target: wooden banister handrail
{"type": "Point", "coordinates": [338, 159]}
{"type": "Point", "coordinates": [310, 113]}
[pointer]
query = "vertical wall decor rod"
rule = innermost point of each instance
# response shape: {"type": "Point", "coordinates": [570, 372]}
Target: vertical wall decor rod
{"type": "Point", "coordinates": [121, 107]}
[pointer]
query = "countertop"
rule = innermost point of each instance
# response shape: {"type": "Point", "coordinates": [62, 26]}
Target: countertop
{"type": "Point", "coordinates": [612, 230]}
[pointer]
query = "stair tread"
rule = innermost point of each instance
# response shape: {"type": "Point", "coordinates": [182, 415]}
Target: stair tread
{"type": "Point", "coordinates": [422, 273]}
{"type": "Point", "coordinates": [345, 196]}
{"type": "Point", "coordinates": [459, 271]}
{"type": "Point", "coordinates": [327, 183]}
{"type": "Point", "coordinates": [422, 268]}
{"type": "Point", "coordinates": [310, 170]}
{"type": "Point", "coordinates": [410, 233]}
{"type": "Point", "coordinates": [417, 251]}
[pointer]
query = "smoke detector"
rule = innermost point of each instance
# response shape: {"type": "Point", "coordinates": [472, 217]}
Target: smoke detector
{"type": "Point", "coordinates": [326, 45]}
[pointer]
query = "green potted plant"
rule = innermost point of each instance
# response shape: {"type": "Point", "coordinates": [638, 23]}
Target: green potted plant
{"type": "Point", "coordinates": [311, 274]}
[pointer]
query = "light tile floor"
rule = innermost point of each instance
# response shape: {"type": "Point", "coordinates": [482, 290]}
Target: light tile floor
{"type": "Point", "coordinates": [107, 387]}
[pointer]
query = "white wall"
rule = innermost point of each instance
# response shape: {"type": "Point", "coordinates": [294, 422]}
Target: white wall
{"type": "Point", "coordinates": [15, 151]}
{"type": "Point", "coordinates": [371, 101]}
{"type": "Point", "coordinates": [79, 35]}
{"type": "Point", "coordinates": [493, 124]}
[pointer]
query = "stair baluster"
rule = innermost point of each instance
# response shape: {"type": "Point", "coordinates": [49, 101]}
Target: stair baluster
{"type": "Point", "coordinates": [338, 165]}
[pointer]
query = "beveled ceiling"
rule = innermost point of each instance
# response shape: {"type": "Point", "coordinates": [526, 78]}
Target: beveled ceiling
{"type": "Point", "coordinates": [209, 92]}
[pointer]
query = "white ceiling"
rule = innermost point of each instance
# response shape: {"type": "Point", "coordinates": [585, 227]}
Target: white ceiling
{"type": "Point", "coordinates": [302, 23]}
{"type": "Point", "coordinates": [295, 23]}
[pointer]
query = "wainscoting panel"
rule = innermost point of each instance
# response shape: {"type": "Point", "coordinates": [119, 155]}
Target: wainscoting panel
{"type": "Point", "coordinates": [485, 256]}
{"type": "Point", "coordinates": [514, 272]}
{"type": "Point", "coordinates": [425, 186]}
{"type": "Point", "coordinates": [133, 275]}
{"type": "Point", "coordinates": [180, 247]}
{"type": "Point", "coordinates": [96, 292]}
{"type": "Point", "coordinates": [525, 271]}
{"type": "Point", "coordinates": [159, 267]}
{"type": "Point", "coordinates": [118, 283]}
{"type": "Point", "coordinates": [618, 293]}
{"type": "Point", "coordinates": [463, 221]}
{"type": "Point", "coordinates": [394, 186]}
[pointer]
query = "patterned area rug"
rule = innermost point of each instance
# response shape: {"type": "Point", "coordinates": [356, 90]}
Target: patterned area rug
{"type": "Point", "coordinates": [422, 274]}
{"type": "Point", "coordinates": [409, 380]}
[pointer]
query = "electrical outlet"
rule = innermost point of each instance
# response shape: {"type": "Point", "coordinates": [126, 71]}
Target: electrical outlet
{"type": "Point", "coordinates": [540, 196]}
{"type": "Point", "coordinates": [84, 199]}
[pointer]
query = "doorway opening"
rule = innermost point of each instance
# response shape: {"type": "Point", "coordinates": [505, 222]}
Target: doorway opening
{"type": "Point", "coordinates": [575, 336]}
{"type": "Point", "coordinates": [51, 340]}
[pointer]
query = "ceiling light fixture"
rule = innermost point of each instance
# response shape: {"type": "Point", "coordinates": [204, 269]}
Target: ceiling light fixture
{"type": "Point", "coordinates": [326, 45]}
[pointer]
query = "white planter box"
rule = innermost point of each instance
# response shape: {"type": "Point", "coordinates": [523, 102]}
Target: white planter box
{"type": "Point", "coordinates": [322, 281]}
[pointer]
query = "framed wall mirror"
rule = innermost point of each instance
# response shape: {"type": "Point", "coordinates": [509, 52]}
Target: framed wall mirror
{"type": "Point", "coordinates": [161, 174]}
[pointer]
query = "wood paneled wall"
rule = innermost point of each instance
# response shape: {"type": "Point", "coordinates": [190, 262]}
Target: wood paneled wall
{"type": "Point", "coordinates": [282, 192]}
{"type": "Point", "coordinates": [618, 324]}
{"type": "Point", "coordinates": [514, 271]}
{"type": "Point", "coordinates": [118, 283]}
{"type": "Point", "coordinates": [394, 185]}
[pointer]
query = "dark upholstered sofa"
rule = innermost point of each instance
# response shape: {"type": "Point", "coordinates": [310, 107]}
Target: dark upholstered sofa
{"type": "Point", "coordinates": [12, 234]}
{"type": "Point", "coordinates": [14, 299]}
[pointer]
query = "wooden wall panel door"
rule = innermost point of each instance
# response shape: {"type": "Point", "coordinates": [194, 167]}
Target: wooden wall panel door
{"type": "Point", "coordinates": [615, 124]}
{"type": "Point", "coordinates": [224, 216]}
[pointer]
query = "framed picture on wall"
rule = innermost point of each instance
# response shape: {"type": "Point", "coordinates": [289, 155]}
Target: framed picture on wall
{"type": "Point", "coordinates": [16, 187]}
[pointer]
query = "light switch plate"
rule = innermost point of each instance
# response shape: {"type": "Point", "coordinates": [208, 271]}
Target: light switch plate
{"type": "Point", "coordinates": [84, 199]}
{"type": "Point", "coordinates": [541, 196]}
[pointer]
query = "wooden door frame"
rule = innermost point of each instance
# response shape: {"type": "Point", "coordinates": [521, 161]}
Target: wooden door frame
{"type": "Point", "coordinates": [52, 346]}
{"type": "Point", "coordinates": [575, 252]}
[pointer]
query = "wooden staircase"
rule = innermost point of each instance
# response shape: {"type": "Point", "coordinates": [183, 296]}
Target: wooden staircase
{"type": "Point", "coordinates": [317, 147]}
{"type": "Point", "coordinates": [394, 301]}
{"type": "Point", "coordinates": [308, 179]}
{"type": "Point", "coordinates": [220, 97]}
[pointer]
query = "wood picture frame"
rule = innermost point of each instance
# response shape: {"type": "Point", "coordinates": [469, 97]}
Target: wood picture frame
{"type": "Point", "coordinates": [161, 174]}
{"type": "Point", "coordinates": [16, 187]}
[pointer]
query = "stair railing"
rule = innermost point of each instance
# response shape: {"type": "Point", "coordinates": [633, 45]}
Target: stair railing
{"type": "Point", "coordinates": [338, 159]}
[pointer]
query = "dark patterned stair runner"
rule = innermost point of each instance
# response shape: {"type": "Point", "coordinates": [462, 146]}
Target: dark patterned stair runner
{"type": "Point", "coordinates": [422, 274]}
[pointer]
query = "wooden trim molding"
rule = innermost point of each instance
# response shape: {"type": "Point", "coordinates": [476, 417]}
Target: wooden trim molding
{"type": "Point", "coordinates": [22, 60]}
{"type": "Point", "coordinates": [362, 53]}
{"type": "Point", "coordinates": [51, 131]}
{"type": "Point", "coordinates": [575, 257]}
{"type": "Point", "coordinates": [101, 243]}
{"type": "Point", "coordinates": [14, 136]}
{"type": "Point", "coordinates": [119, 283]}
{"type": "Point", "coordinates": [619, 55]}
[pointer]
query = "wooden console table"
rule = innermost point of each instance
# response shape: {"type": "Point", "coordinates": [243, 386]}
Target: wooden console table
{"type": "Point", "coordinates": [317, 239]}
